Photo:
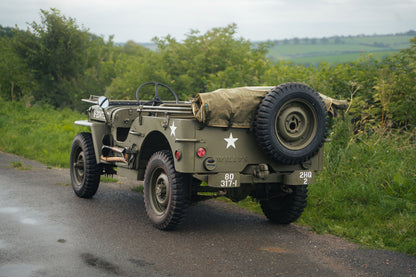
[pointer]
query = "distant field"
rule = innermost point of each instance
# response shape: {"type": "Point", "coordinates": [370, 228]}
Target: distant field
{"type": "Point", "coordinates": [341, 58]}
{"type": "Point", "coordinates": [337, 49]}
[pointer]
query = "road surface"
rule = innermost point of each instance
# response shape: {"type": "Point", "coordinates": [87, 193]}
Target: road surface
{"type": "Point", "coordinates": [45, 230]}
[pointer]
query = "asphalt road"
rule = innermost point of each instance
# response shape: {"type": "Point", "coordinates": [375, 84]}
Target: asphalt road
{"type": "Point", "coordinates": [45, 230]}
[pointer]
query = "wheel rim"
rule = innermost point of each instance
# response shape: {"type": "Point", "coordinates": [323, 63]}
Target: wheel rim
{"type": "Point", "coordinates": [79, 167]}
{"type": "Point", "coordinates": [296, 124]}
{"type": "Point", "coordinates": [159, 191]}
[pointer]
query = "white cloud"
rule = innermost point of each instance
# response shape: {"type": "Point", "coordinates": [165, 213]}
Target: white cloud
{"type": "Point", "coordinates": [140, 20]}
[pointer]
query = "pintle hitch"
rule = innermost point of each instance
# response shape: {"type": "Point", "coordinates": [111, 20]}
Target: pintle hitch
{"type": "Point", "coordinates": [261, 171]}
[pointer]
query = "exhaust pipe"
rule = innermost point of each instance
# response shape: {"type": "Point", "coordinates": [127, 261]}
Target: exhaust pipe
{"type": "Point", "coordinates": [106, 152]}
{"type": "Point", "coordinates": [113, 159]}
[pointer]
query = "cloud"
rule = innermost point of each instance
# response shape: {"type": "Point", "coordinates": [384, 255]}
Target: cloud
{"type": "Point", "coordinates": [141, 20]}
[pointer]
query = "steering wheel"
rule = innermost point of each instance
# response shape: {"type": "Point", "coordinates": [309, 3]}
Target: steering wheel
{"type": "Point", "coordinates": [156, 99]}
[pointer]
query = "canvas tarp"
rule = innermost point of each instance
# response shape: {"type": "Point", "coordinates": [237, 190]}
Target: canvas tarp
{"type": "Point", "coordinates": [236, 107]}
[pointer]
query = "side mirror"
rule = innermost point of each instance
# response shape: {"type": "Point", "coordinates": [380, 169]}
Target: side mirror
{"type": "Point", "coordinates": [103, 102]}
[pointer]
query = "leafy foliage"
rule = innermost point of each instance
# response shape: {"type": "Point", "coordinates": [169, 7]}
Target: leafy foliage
{"type": "Point", "coordinates": [366, 192]}
{"type": "Point", "coordinates": [54, 51]}
{"type": "Point", "coordinates": [201, 63]}
{"type": "Point", "coordinates": [62, 58]}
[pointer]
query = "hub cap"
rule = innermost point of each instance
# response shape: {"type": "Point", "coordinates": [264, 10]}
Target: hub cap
{"type": "Point", "coordinates": [296, 124]}
{"type": "Point", "coordinates": [79, 167]}
{"type": "Point", "coordinates": [159, 191]}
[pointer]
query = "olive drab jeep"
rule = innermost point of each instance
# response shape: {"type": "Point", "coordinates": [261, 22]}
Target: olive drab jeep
{"type": "Point", "coordinates": [263, 142]}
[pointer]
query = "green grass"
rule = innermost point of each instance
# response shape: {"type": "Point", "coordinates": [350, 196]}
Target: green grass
{"type": "Point", "coordinates": [19, 165]}
{"type": "Point", "coordinates": [107, 179]}
{"type": "Point", "coordinates": [248, 203]}
{"type": "Point", "coordinates": [366, 192]}
{"type": "Point", "coordinates": [40, 132]}
{"type": "Point", "coordinates": [138, 189]}
{"type": "Point", "coordinates": [341, 58]}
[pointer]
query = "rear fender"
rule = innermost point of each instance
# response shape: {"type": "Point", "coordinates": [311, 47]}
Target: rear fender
{"type": "Point", "coordinates": [154, 142]}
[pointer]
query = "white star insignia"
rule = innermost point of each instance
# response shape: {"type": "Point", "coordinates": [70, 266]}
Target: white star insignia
{"type": "Point", "coordinates": [173, 129]}
{"type": "Point", "coordinates": [230, 141]}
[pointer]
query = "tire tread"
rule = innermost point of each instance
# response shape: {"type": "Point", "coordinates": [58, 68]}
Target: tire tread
{"type": "Point", "coordinates": [178, 200]}
{"type": "Point", "coordinates": [262, 130]}
{"type": "Point", "coordinates": [92, 174]}
{"type": "Point", "coordinates": [295, 203]}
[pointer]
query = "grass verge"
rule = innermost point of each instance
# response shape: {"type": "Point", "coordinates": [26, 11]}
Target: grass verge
{"type": "Point", "coordinates": [367, 191]}
{"type": "Point", "coordinates": [39, 132]}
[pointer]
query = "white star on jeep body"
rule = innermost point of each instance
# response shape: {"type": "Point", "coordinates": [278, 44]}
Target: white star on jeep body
{"type": "Point", "coordinates": [173, 129]}
{"type": "Point", "coordinates": [230, 141]}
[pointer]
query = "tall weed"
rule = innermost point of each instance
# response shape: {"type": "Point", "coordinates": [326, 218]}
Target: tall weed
{"type": "Point", "coordinates": [367, 190]}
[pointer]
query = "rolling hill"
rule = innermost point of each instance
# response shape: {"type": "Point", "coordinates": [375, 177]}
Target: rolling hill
{"type": "Point", "coordinates": [338, 49]}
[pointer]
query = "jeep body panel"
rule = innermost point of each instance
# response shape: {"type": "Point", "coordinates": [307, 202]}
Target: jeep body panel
{"type": "Point", "coordinates": [231, 150]}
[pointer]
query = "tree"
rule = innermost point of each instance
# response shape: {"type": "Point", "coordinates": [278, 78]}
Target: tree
{"type": "Point", "coordinates": [395, 90]}
{"type": "Point", "coordinates": [204, 62]}
{"type": "Point", "coordinates": [6, 31]}
{"type": "Point", "coordinates": [296, 41]}
{"type": "Point", "coordinates": [56, 52]}
{"type": "Point", "coordinates": [15, 78]}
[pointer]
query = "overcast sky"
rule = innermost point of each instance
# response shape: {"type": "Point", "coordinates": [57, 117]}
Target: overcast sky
{"type": "Point", "coordinates": [141, 20]}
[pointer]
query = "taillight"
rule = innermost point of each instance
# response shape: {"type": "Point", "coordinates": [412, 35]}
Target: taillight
{"type": "Point", "coordinates": [201, 152]}
{"type": "Point", "coordinates": [178, 155]}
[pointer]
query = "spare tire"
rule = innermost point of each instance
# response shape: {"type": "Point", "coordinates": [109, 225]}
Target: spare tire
{"type": "Point", "coordinates": [291, 123]}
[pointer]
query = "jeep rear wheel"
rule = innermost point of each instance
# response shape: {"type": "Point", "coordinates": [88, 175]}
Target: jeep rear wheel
{"type": "Point", "coordinates": [286, 208]}
{"type": "Point", "coordinates": [85, 176]}
{"type": "Point", "coordinates": [165, 192]}
{"type": "Point", "coordinates": [290, 124]}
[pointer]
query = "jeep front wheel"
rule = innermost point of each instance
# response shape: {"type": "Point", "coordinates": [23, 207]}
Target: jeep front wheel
{"type": "Point", "coordinates": [85, 175]}
{"type": "Point", "coordinates": [165, 192]}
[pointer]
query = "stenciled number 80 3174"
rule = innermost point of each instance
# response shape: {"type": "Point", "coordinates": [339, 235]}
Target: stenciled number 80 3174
{"type": "Point", "coordinates": [229, 181]}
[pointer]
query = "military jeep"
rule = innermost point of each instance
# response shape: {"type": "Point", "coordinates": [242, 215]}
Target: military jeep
{"type": "Point", "coordinates": [263, 142]}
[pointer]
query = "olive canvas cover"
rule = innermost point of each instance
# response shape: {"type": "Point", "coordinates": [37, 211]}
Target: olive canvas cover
{"type": "Point", "coordinates": [236, 107]}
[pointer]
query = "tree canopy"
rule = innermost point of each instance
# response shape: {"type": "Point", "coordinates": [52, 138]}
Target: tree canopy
{"type": "Point", "coordinates": [58, 62]}
{"type": "Point", "coordinates": [55, 55]}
